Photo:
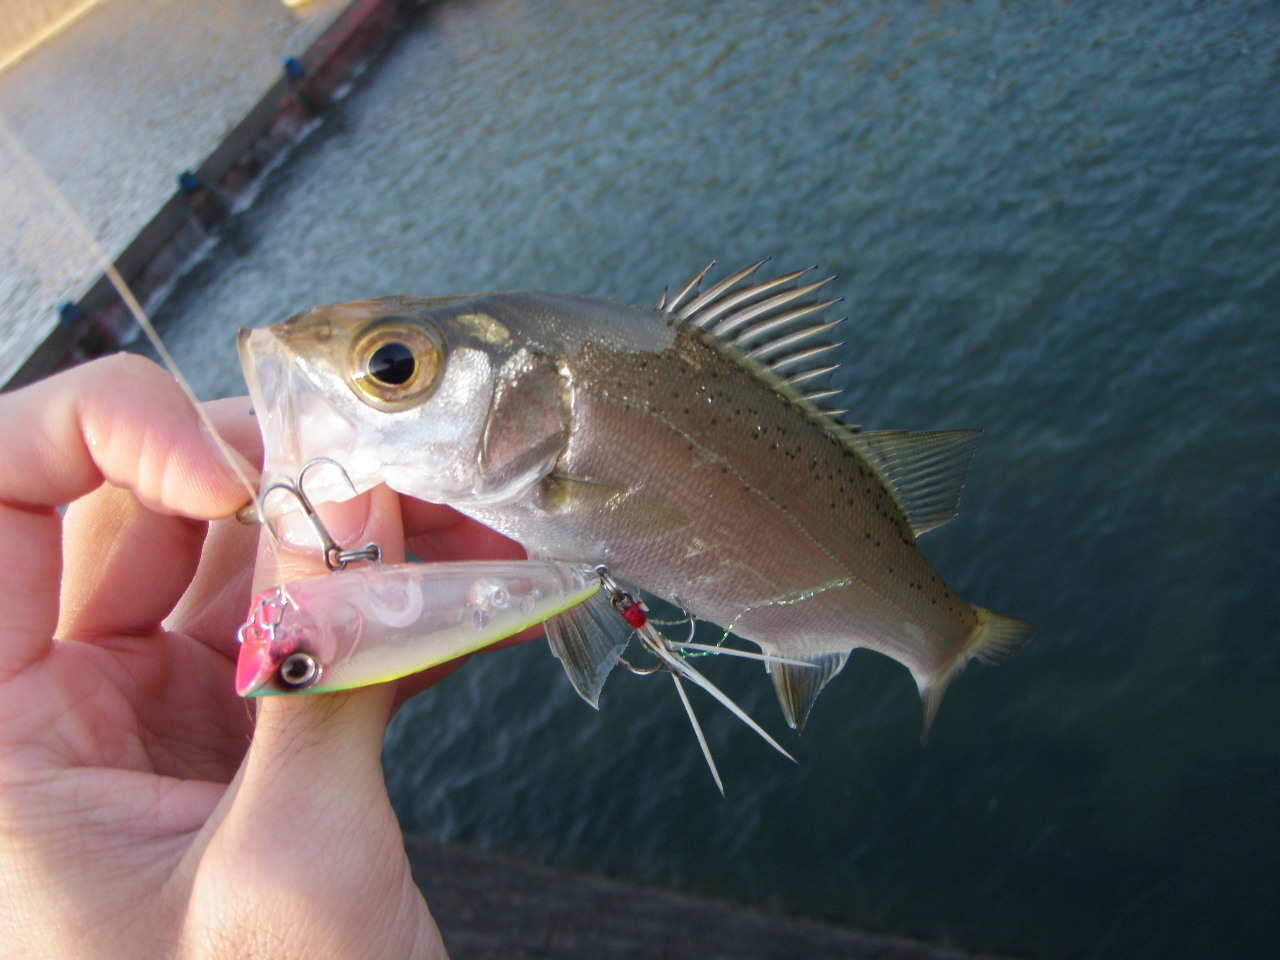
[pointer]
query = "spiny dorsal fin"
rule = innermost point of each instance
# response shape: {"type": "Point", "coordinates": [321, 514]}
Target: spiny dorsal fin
{"type": "Point", "coordinates": [769, 327]}
{"type": "Point", "coordinates": [924, 471]}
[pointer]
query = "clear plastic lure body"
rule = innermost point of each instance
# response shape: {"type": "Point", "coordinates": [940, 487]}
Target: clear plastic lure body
{"type": "Point", "coordinates": [379, 623]}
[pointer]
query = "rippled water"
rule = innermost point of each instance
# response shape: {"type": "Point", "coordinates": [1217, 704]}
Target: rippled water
{"type": "Point", "coordinates": [1060, 225]}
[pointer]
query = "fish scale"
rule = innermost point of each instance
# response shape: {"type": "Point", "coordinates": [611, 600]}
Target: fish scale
{"type": "Point", "coordinates": [651, 441]}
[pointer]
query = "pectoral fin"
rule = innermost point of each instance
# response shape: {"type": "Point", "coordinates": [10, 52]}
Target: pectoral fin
{"type": "Point", "coordinates": [562, 494]}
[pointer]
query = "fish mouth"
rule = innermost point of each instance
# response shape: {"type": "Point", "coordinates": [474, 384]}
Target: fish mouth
{"type": "Point", "coordinates": [302, 426]}
{"type": "Point", "coordinates": [266, 368]}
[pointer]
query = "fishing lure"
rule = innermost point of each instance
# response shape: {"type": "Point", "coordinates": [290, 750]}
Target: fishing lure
{"type": "Point", "coordinates": [347, 630]}
{"type": "Point", "coordinates": [359, 627]}
{"type": "Point", "coordinates": [355, 628]}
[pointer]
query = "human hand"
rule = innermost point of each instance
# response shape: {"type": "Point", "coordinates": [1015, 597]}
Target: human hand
{"type": "Point", "coordinates": [142, 813]}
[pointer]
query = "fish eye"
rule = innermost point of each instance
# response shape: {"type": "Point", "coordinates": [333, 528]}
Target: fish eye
{"type": "Point", "coordinates": [298, 671]}
{"type": "Point", "coordinates": [394, 363]}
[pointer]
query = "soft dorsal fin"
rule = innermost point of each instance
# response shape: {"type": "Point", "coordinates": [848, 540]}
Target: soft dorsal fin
{"type": "Point", "coordinates": [924, 471]}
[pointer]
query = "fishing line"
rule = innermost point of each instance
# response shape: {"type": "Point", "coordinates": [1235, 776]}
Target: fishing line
{"type": "Point", "coordinates": [54, 194]}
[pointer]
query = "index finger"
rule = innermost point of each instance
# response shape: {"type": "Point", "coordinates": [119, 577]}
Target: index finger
{"type": "Point", "coordinates": [121, 420]}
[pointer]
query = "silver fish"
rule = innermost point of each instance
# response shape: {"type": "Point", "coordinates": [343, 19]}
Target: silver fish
{"type": "Point", "coordinates": [682, 446]}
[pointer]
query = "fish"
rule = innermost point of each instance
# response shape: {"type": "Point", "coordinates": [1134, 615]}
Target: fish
{"type": "Point", "coordinates": [378, 623]}
{"type": "Point", "coordinates": [683, 446]}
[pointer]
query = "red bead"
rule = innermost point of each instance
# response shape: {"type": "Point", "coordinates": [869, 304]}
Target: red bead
{"type": "Point", "coordinates": [633, 613]}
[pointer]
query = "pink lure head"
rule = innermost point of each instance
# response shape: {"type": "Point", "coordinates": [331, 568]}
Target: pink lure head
{"type": "Point", "coordinates": [273, 658]}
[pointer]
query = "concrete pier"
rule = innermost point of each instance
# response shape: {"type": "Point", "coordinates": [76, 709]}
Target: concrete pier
{"type": "Point", "coordinates": [490, 907]}
{"type": "Point", "coordinates": [114, 109]}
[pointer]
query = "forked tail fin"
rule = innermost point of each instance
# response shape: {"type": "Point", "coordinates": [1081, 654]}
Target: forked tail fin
{"type": "Point", "coordinates": [995, 639]}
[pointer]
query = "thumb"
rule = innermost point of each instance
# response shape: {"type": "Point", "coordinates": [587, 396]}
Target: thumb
{"type": "Point", "coordinates": [308, 859]}
{"type": "Point", "coordinates": [316, 742]}
{"type": "Point", "coordinates": [308, 856]}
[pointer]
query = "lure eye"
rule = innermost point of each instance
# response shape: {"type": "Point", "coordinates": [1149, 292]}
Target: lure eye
{"type": "Point", "coordinates": [394, 363]}
{"type": "Point", "coordinates": [298, 671]}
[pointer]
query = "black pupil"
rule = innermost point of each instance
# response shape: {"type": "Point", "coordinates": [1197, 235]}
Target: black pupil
{"type": "Point", "coordinates": [295, 669]}
{"type": "Point", "coordinates": [392, 364]}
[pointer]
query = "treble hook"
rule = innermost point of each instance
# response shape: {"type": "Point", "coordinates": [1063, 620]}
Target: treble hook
{"type": "Point", "coordinates": [634, 611]}
{"type": "Point", "coordinates": [335, 558]}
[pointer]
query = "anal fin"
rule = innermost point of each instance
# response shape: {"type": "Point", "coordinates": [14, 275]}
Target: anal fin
{"type": "Point", "coordinates": [798, 687]}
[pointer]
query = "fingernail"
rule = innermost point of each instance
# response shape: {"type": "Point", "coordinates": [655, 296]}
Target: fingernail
{"type": "Point", "coordinates": [345, 523]}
